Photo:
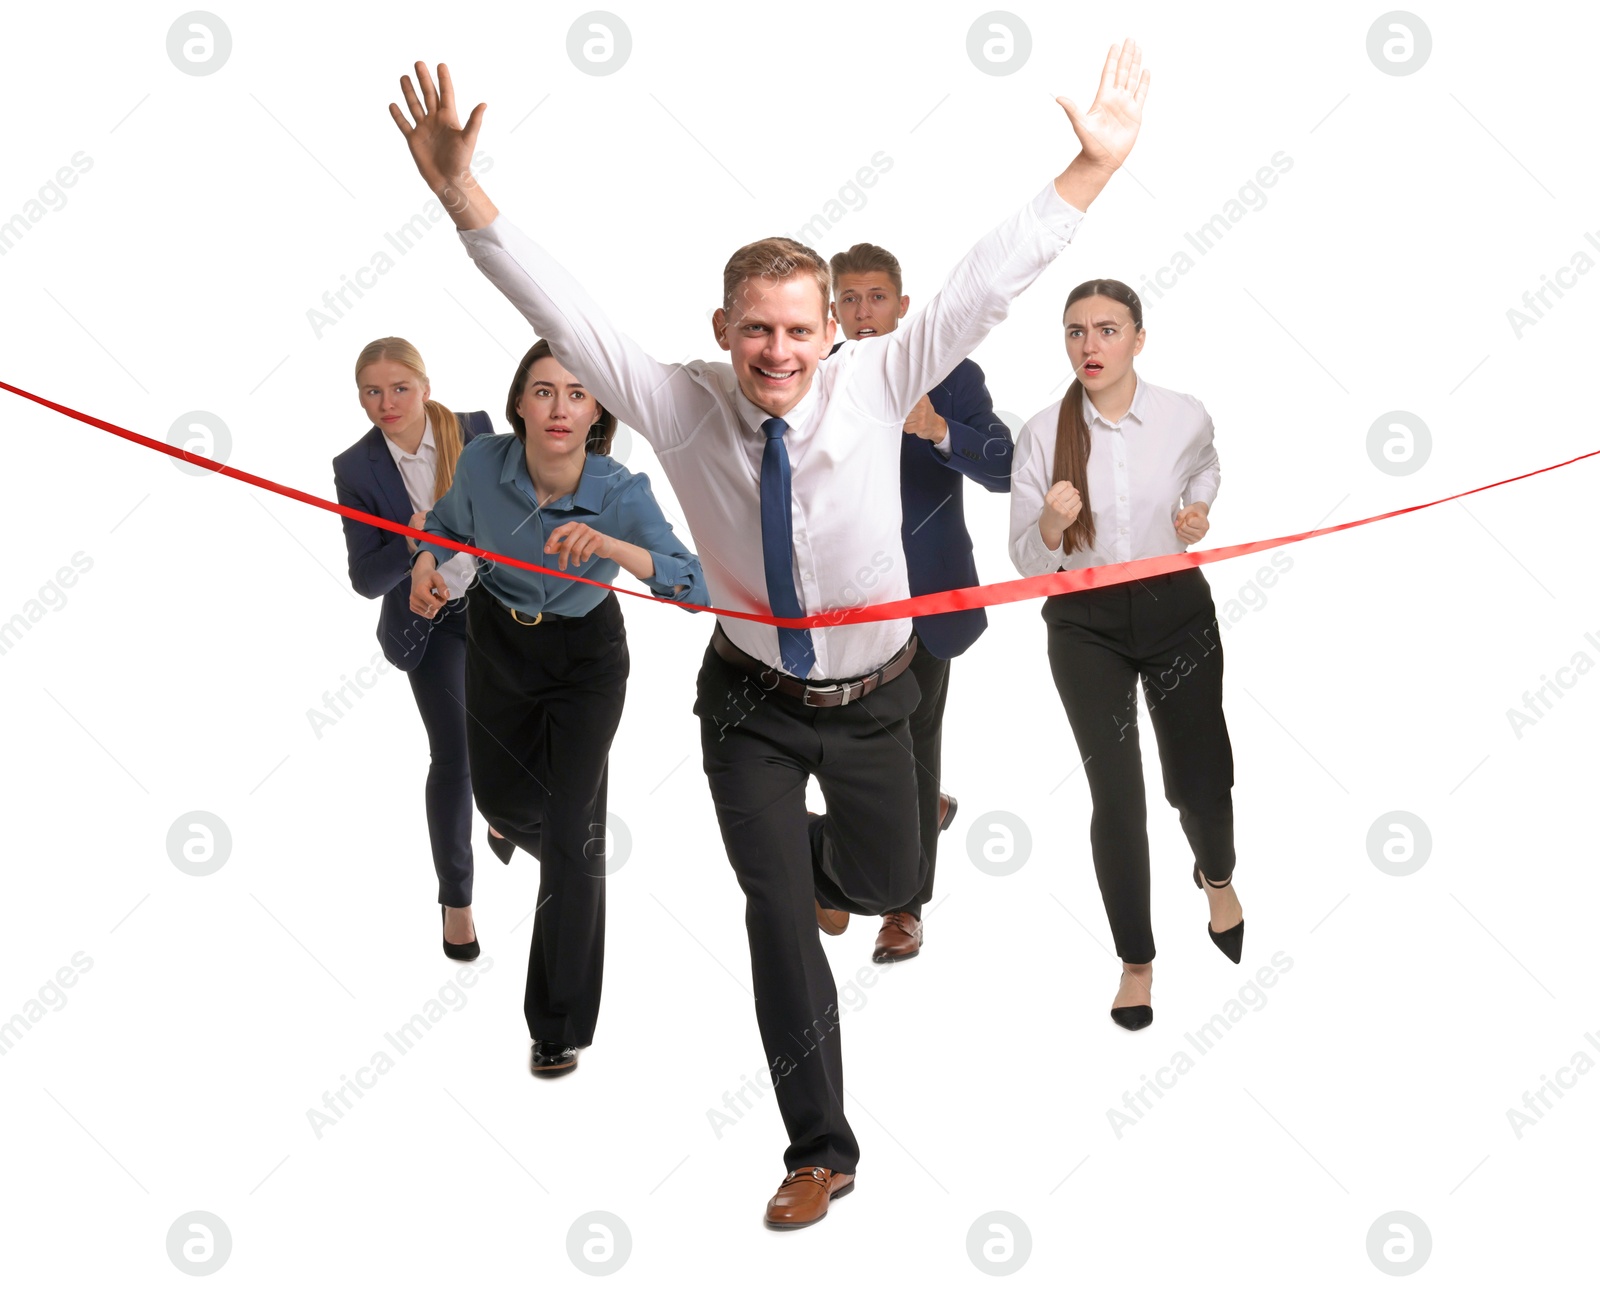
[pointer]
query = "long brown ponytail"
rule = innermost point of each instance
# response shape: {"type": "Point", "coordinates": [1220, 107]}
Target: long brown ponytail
{"type": "Point", "coordinates": [446, 426]}
{"type": "Point", "coordinates": [1072, 430]}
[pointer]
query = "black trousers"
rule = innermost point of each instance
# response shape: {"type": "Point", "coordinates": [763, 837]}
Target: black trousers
{"type": "Point", "coordinates": [1161, 632]}
{"type": "Point", "coordinates": [927, 736]}
{"type": "Point", "coordinates": [759, 748]}
{"type": "Point", "coordinates": [543, 705]}
{"type": "Point", "coordinates": [438, 685]}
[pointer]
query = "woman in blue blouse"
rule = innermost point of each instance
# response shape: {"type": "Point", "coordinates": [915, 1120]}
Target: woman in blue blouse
{"type": "Point", "coordinates": [547, 662]}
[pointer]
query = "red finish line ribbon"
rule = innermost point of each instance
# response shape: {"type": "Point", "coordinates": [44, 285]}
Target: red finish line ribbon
{"type": "Point", "coordinates": [973, 597]}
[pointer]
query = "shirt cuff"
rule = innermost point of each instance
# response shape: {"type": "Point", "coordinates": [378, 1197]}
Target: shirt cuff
{"type": "Point", "coordinates": [1038, 558]}
{"type": "Point", "coordinates": [458, 572]}
{"type": "Point", "coordinates": [1055, 213]}
{"type": "Point", "coordinates": [945, 446]}
{"type": "Point", "coordinates": [488, 234]}
{"type": "Point", "coordinates": [671, 571]}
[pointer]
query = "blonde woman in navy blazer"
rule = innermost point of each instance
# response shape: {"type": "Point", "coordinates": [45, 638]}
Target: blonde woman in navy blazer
{"type": "Point", "coordinates": [396, 470]}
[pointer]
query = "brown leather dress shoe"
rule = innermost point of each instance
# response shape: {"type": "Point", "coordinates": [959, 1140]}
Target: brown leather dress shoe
{"type": "Point", "coordinates": [803, 1197]}
{"type": "Point", "coordinates": [900, 938]}
{"type": "Point", "coordinates": [832, 921]}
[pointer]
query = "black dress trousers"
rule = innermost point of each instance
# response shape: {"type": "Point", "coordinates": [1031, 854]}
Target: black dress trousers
{"type": "Point", "coordinates": [927, 739]}
{"type": "Point", "coordinates": [760, 747]}
{"type": "Point", "coordinates": [543, 704]}
{"type": "Point", "coordinates": [437, 684]}
{"type": "Point", "coordinates": [1103, 643]}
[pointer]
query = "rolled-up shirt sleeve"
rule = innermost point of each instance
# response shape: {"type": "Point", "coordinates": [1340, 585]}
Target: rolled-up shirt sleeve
{"type": "Point", "coordinates": [1030, 480]}
{"type": "Point", "coordinates": [677, 575]}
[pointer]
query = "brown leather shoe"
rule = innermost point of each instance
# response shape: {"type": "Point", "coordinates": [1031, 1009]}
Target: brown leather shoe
{"type": "Point", "coordinates": [899, 938]}
{"type": "Point", "coordinates": [832, 921]}
{"type": "Point", "coordinates": [803, 1197]}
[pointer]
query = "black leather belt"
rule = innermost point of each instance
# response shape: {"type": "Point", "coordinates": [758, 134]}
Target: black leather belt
{"type": "Point", "coordinates": [522, 619]}
{"type": "Point", "coordinates": [828, 693]}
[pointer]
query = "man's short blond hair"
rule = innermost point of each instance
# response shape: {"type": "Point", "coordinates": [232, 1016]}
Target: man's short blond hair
{"type": "Point", "coordinates": [778, 258]}
{"type": "Point", "coordinates": [864, 257]}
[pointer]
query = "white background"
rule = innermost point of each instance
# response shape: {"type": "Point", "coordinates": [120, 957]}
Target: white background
{"type": "Point", "coordinates": [1374, 676]}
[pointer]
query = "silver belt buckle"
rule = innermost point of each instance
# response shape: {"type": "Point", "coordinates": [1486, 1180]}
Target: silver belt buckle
{"type": "Point", "coordinates": [826, 689]}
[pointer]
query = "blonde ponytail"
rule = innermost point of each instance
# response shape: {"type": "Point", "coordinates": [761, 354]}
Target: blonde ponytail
{"type": "Point", "coordinates": [446, 443]}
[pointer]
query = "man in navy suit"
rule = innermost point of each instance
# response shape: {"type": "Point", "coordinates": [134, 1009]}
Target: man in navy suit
{"type": "Point", "coordinates": [953, 432]}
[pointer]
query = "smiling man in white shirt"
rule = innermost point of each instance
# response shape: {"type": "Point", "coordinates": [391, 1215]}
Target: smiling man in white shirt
{"type": "Point", "coordinates": [788, 472]}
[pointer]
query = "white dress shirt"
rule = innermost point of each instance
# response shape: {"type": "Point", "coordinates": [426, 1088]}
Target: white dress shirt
{"type": "Point", "coordinates": [417, 471]}
{"type": "Point", "coordinates": [843, 438]}
{"type": "Point", "coordinates": [1142, 470]}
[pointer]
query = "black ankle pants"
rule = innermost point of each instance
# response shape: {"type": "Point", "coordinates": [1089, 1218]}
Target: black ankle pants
{"type": "Point", "coordinates": [543, 704]}
{"type": "Point", "coordinates": [1161, 632]}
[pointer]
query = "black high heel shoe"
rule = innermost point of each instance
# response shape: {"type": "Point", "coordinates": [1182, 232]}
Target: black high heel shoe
{"type": "Point", "coordinates": [459, 952]}
{"type": "Point", "coordinates": [1231, 941]}
{"type": "Point", "coordinates": [1136, 1017]}
{"type": "Point", "coordinates": [503, 847]}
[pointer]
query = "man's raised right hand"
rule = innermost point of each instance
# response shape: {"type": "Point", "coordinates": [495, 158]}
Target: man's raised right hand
{"type": "Point", "coordinates": [442, 147]}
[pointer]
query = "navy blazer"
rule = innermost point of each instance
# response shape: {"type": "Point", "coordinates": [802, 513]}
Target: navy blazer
{"type": "Point", "coordinates": [933, 525]}
{"type": "Point", "coordinates": [366, 478]}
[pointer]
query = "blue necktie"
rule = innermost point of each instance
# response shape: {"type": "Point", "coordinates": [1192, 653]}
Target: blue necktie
{"type": "Point", "coordinates": [777, 550]}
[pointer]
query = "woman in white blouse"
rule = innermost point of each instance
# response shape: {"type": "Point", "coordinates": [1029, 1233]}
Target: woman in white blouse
{"type": "Point", "coordinates": [1119, 470]}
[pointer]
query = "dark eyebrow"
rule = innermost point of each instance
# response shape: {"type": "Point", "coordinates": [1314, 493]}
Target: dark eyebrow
{"type": "Point", "coordinates": [574, 384]}
{"type": "Point", "coordinates": [1098, 322]}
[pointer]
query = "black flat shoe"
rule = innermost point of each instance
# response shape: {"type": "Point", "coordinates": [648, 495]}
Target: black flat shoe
{"type": "Point", "coordinates": [947, 805]}
{"type": "Point", "coordinates": [1133, 1017]}
{"type": "Point", "coordinates": [1231, 941]}
{"type": "Point", "coordinates": [551, 1060]}
{"type": "Point", "coordinates": [459, 952]}
{"type": "Point", "coordinates": [503, 847]}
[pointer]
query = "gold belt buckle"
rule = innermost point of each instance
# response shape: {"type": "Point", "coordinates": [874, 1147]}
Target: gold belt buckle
{"type": "Point", "coordinates": [516, 616]}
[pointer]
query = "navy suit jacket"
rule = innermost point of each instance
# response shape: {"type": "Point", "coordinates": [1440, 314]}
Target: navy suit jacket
{"type": "Point", "coordinates": [366, 478]}
{"type": "Point", "coordinates": [933, 525]}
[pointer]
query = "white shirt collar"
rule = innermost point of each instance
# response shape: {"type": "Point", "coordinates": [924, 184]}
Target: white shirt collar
{"type": "Point", "coordinates": [1136, 409]}
{"type": "Point", "coordinates": [796, 417]}
{"type": "Point", "coordinates": [400, 455]}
